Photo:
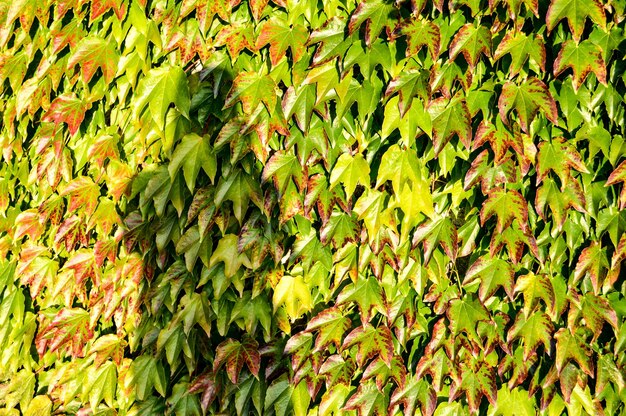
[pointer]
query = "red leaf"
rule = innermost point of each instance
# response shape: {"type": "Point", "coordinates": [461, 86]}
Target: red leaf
{"type": "Point", "coordinates": [233, 354]}
{"type": "Point", "coordinates": [83, 193]}
{"type": "Point", "coordinates": [69, 331]}
{"type": "Point", "coordinates": [92, 53]}
{"type": "Point", "coordinates": [67, 108]}
{"type": "Point", "coordinates": [28, 223]}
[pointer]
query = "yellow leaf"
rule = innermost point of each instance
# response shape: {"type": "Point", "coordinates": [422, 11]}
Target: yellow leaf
{"type": "Point", "coordinates": [294, 294]}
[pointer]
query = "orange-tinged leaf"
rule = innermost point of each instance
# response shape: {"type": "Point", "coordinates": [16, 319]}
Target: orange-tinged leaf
{"type": "Point", "coordinates": [476, 380]}
{"type": "Point", "coordinates": [595, 310]}
{"type": "Point", "coordinates": [582, 58]}
{"type": "Point", "coordinates": [281, 37]}
{"type": "Point", "coordinates": [70, 34]}
{"type": "Point", "coordinates": [83, 193]}
{"type": "Point", "coordinates": [236, 37]}
{"type": "Point", "coordinates": [69, 332]}
{"type": "Point", "coordinates": [82, 264]}
{"type": "Point", "coordinates": [105, 250]}
{"type": "Point", "coordinates": [28, 223]}
{"type": "Point", "coordinates": [67, 108]}
{"type": "Point", "coordinates": [594, 262]}
{"type": "Point", "coordinates": [108, 346]}
{"type": "Point", "coordinates": [331, 325]}
{"type": "Point", "coordinates": [257, 7]}
{"type": "Point", "coordinates": [105, 146]}
{"type": "Point", "coordinates": [92, 53]}
{"type": "Point", "coordinates": [499, 138]}
{"type": "Point", "coordinates": [100, 7]}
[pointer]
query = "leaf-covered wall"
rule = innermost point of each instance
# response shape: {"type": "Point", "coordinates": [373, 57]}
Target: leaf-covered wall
{"type": "Point", "coordinates": [312, 207]}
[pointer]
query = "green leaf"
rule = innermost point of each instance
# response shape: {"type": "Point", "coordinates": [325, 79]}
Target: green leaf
{"type": "Point", "coordinates": [299, 103]}
{"type": "Point", "coordinates": [415, 392]}
{"type": "Point", "coordinates": [282, 167]}
{"type": "Point", "coordinates": [439, 231]}
{"type": "Point", "coordinates": [492, 273]}
{"type": "Point", "coordinates": [227, 252]}
{"type": "Point", "coordinates": [350, 171]}
{"type": "Point", "coordinates": [252, 89]}
{"type": "Point", "coordinates": [559, 200]}
{"type": "Point", "coordinates": [534, 287]}
{"type": "Point", "coordinates": [340, 228]}
{"type": "Point", "coordinates": [101, 384]}
{"type": "Point", "coordinates": [533, 330]}
{"type": "Point", "coordinates": [513, 402]}
{"type": "Point", "coordinates": [39, 406]}
{"type": "Point", "coordinates": [366, 292]}
{"type": "Point", "coordinates": [450, 117]}
{"type": "Point", "coordinates": [160, 88]}
{"type": "Point", "coordinates": [506, 206]}
{"type": "Point", "coordinates": [569, 347]}
{"type": "Point", "coordinates": [559, 156]}
{"type": "Point", "coordinates": [576, 12]}
{"type": "Point", "coordinates": [408, 85]}
{"type": "Point", "coordinates": [239, 188]}
{"type": "Point", "coordinates": [370, 342]}
{"type": "Point", "coordinates": [331, 325]}
{"type": "Point", "coordinates": [619, 175]}
{"type": "Point", "coordinates": [522, 47]}
{"type": "Point", "coordinates": [421, 32]}
{"type": "Point", "coordinates": [527, 99]}
{"type": "Point", "coordinates": [368, 401]}
{"type": "Point", "coordinates": [330, 40]}
{"type": "Point", "coordinates": [193, 153]}
{"type": "Point", "coordinates": [464, 316]}
{"type": "Point", "coordinates": [471, 41]}
{"type": "Point", "coordinates": [377, 14]}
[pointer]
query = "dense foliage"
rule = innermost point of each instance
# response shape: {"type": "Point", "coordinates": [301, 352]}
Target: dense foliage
{"type": "Point", "coordinates": [312, 207]}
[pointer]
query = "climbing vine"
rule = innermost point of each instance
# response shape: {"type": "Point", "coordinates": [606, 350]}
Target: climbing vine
{"type": "Point", "coordinates": [312, 207]}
